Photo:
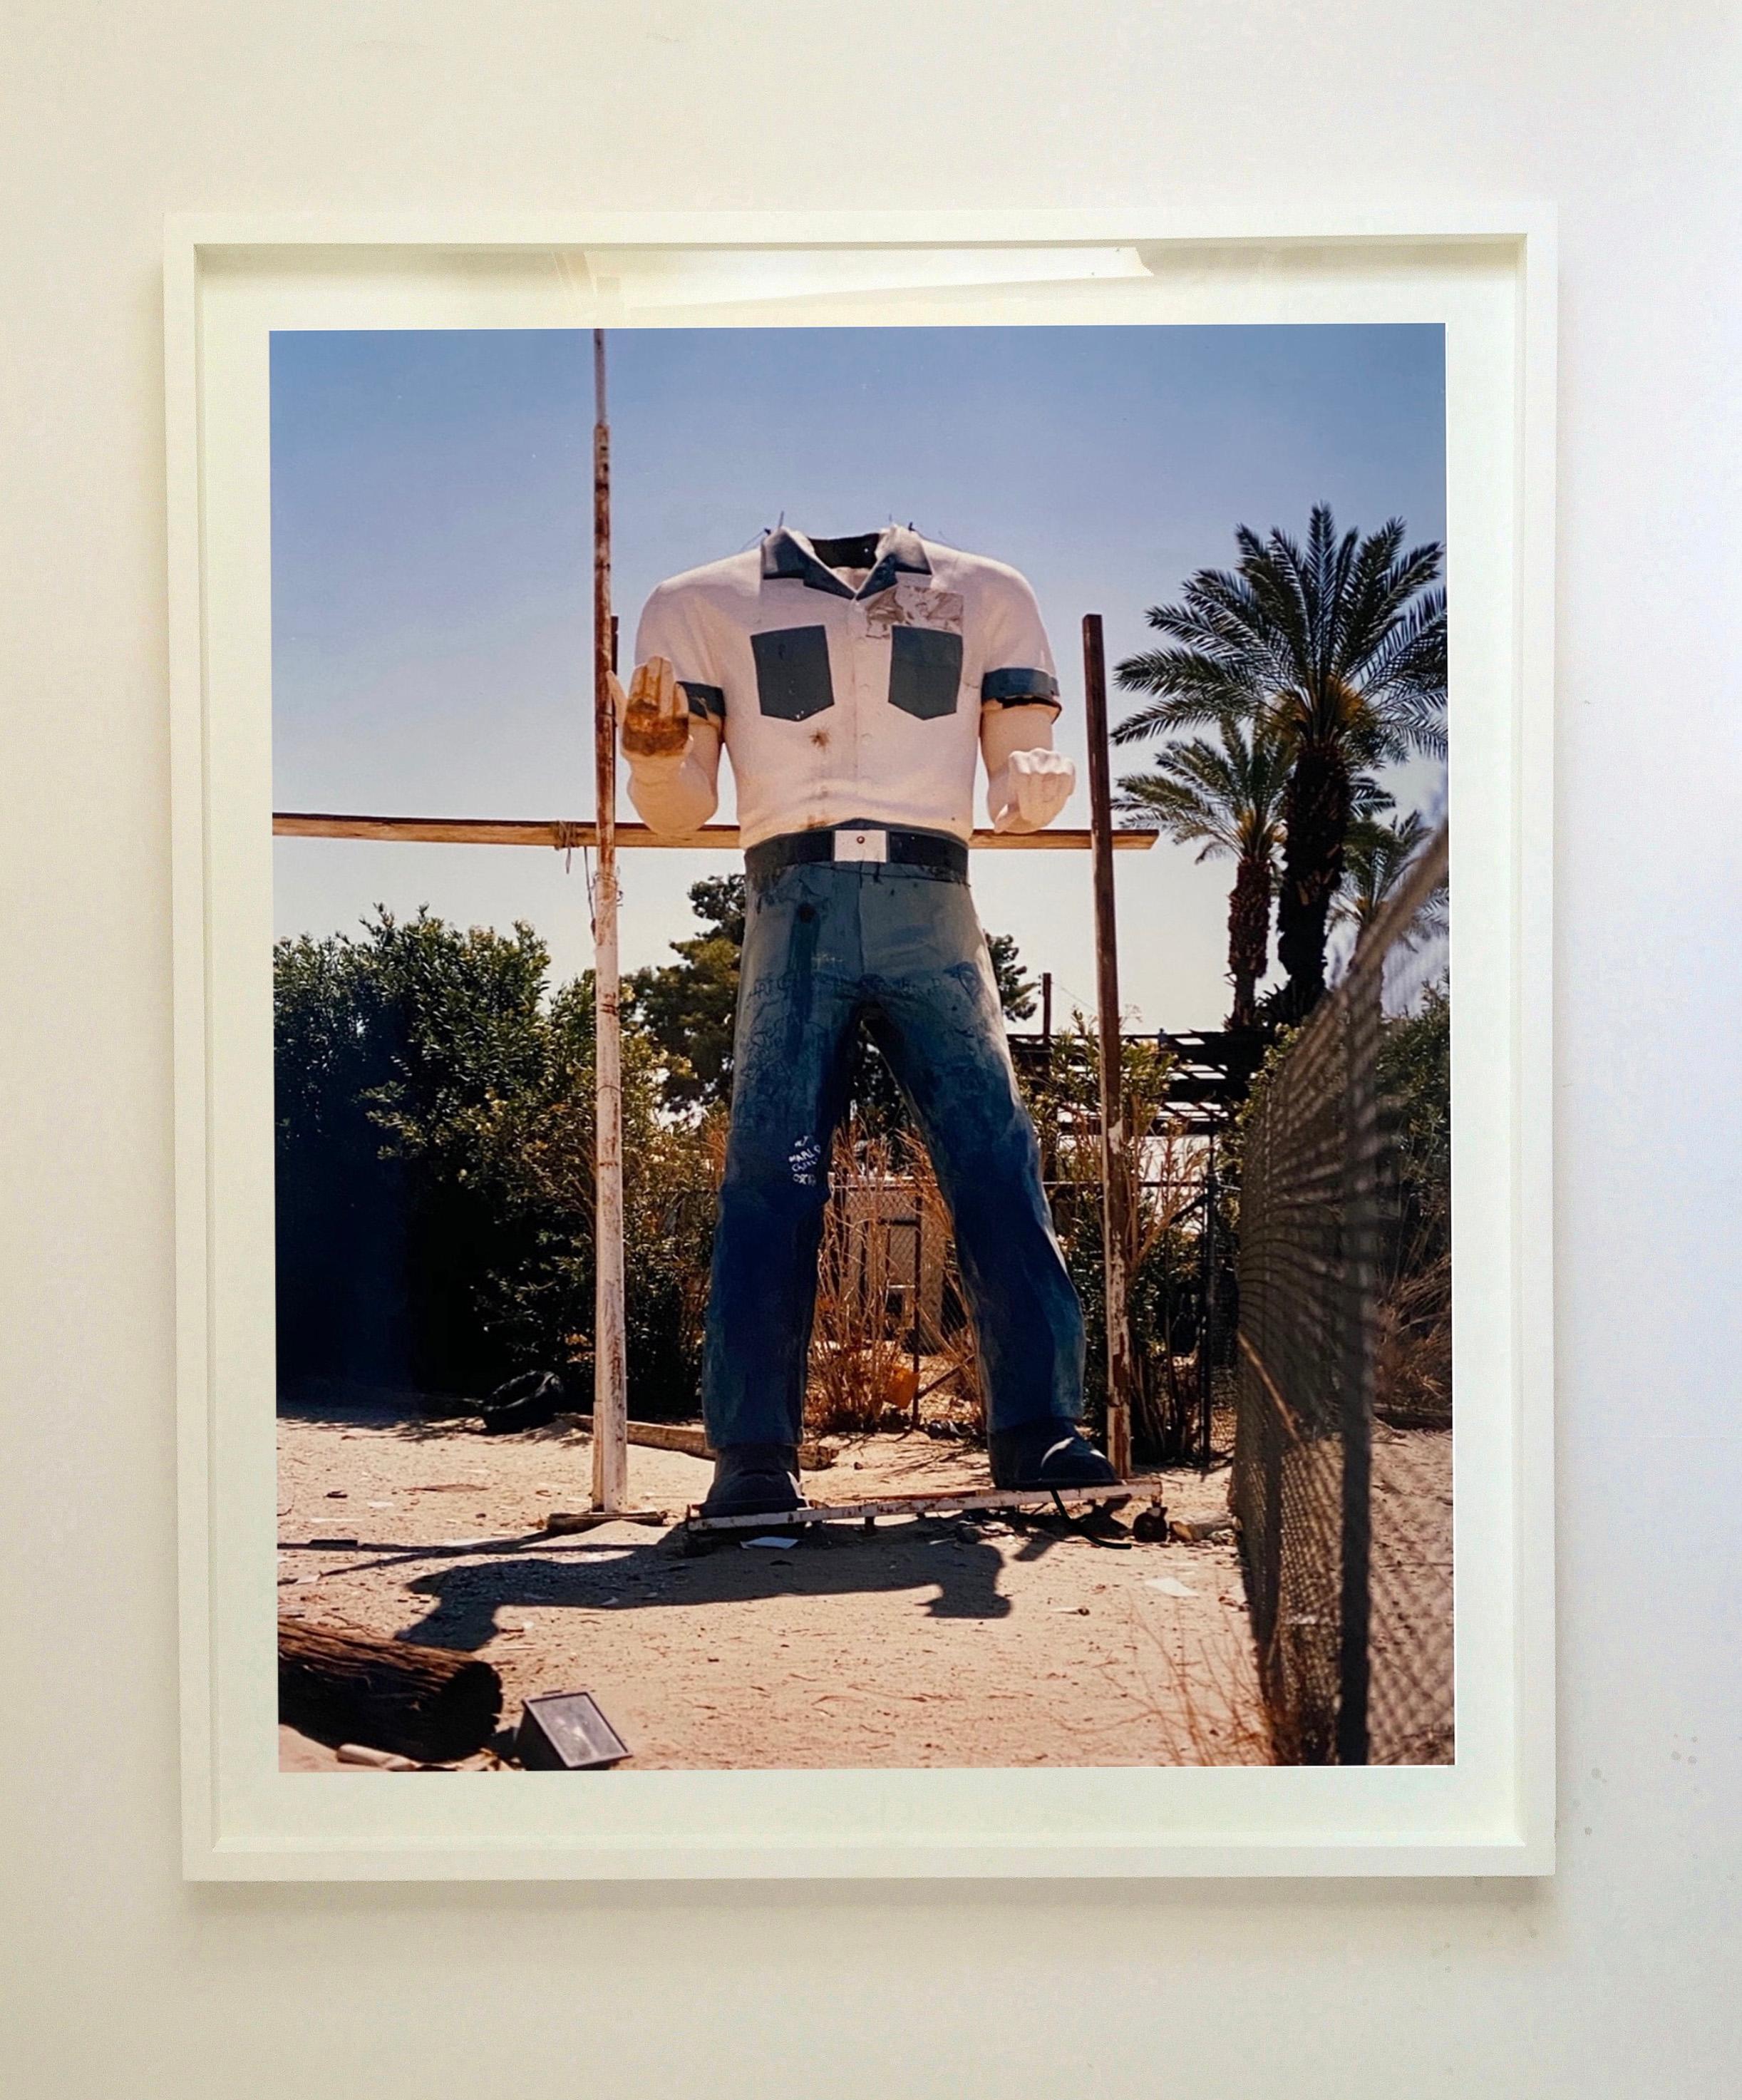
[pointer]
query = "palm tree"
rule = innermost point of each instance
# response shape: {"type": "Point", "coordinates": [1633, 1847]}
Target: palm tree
{"type": "Point", "coordinates": [1226, 798]}
{"type": "Point", "coordinates": [1340, 650]}
{"type": "Point", "coordinates": [1376, 857]}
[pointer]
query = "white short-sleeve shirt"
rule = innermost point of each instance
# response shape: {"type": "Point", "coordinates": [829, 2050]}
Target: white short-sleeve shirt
{"type": "Point", "coordinates": [839, 700]}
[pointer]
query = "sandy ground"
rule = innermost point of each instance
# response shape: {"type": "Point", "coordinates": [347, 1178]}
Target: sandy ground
{"type": "Point", "coordinates": [925, 1643]}
{"type": "Point", "coordinates": [1411, 1698]}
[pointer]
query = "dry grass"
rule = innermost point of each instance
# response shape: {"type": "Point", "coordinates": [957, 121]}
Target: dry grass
{"type": "Point", "coordinates": [953, 1343]}
{"type": "Point", "coordinates": [1200, 1685]}
{"type": "Point", "coordinates": [1206, 1692]}
{"type": "Point", "coordinates": [859, 1369]}
{"type": "Point", "coordinates": [863, 1372]}
{"type": "Point", "coordinates": [1412, 1354]}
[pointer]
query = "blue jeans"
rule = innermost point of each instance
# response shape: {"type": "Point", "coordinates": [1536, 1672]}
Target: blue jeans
{"type": "Point", "coordinates": [827, 946]}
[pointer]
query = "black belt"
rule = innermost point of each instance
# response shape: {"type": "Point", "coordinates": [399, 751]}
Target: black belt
{"type": "Point", "coordinates": [856, 848]}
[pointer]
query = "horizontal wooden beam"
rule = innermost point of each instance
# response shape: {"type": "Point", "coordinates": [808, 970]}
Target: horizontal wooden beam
{"type": "Point", "coordinates": [814, 1453]}
{"type": "Point", "coordinates": [530, 831]}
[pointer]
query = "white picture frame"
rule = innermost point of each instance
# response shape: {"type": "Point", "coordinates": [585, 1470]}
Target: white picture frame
{"type": "Point", "coordinates": [1488, 277]}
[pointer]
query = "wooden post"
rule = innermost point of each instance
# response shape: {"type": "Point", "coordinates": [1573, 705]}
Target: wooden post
{"type": "Point", "coordinates": [1115, 1210]}
{"type": "Point", "coordinates": [1049, 1122]}
{"type": "Point", "coordinates": [610, 1407]}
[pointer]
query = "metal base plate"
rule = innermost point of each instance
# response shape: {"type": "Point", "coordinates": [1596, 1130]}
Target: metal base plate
{"type": "Point", "coordinates": [943, 1504]}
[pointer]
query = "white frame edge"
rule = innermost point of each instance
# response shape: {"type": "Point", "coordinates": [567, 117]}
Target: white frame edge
{"type": "Point", "coordinates": [1530, 230]}
{"type": "Point", "coordinates": [1532, 1034]}
{"type": "Point", "coordinates": [188, 927]}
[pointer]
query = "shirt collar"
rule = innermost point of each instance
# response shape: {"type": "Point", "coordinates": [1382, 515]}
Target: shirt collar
{"type": "Point", "coordinates": [790, 556]}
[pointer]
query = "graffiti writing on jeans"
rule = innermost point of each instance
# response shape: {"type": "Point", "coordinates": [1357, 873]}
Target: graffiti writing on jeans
{"type": "Point", "coordinates": [805, 1158]}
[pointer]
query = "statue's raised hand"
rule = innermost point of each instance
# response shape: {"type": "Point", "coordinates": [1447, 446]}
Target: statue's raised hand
{"type": "Point", "coordinates": [1035, 786]}
{"type": "Point", "coordinates": [656, 717]}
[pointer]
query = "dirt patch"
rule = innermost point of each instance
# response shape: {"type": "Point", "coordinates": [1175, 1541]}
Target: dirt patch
{"type": "Point", "coordinates": [930, 1643]}
{"type": "Point", "coordinates": [1411, 1695]}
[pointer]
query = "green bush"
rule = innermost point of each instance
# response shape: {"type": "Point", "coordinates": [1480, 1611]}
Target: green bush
{"type": "Point", "coordinates": [434, 1175]}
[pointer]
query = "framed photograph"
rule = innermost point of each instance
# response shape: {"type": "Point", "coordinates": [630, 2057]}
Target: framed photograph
{"type": "Point", "coordinates": [862, 948]}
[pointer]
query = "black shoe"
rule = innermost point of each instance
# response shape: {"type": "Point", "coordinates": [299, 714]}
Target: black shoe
{"type": "Point", "coordinates": [754, 1480]}
{"type": "Point", "coordinates": [1051, 1453]}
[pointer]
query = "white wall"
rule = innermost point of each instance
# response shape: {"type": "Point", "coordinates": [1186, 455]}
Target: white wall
{"type": "Point", "coordinates": [1618, 1977]}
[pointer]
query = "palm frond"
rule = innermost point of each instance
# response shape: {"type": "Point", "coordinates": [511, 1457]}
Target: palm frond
{"type": "Point", "coordinates": [1360, 619]}
{"type": "Point", "coordinates": [1407, 675]}
{"type": "Point", "coordinates": [1375, 858]}
{"type": "Point", "coordinates": [1190, 689]}
{"type": "Point", "coordinates": [1227, 795]}
{"type": "Point", "coordinates": [1368, 799]}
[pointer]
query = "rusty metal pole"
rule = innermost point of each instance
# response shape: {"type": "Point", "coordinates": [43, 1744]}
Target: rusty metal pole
{"type": "Point", "coordinates": [609, 1377]}
{"type": "Point", "coordinates": [1049, 1121]}
{"type": "Point", "coordinates": [1116, 1224]}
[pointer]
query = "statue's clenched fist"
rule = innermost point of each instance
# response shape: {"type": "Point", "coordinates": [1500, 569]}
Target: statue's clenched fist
{"type": "Point", "coordinates": [656, 717]}
{"type": "Point", "coordinates": [1037, 785]}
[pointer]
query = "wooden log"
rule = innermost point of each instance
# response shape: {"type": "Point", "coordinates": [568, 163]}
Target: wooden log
{"type": "Point", "coordinates": [425, 1703]}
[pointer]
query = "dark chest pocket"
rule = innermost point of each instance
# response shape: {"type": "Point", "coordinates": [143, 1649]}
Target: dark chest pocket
{"type": "Point", "coordinates": [925, 670]}
{"type": "Point", "coordinates": [792, 673]}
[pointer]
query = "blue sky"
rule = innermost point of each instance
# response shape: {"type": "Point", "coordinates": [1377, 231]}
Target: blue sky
{"type": "Point", "coordinates": [431, 565]}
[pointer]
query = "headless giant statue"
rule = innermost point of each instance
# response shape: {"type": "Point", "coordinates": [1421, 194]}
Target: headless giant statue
{"type": "Point", "coordinates": [855, 685]}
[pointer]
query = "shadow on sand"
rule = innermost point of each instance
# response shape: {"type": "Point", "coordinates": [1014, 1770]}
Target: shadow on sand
{"type": "Point", "coordinates": [960, 1569]}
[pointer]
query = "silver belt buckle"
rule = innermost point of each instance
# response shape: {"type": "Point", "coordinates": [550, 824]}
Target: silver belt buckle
{"type": "Point", "coordinates": [862, 845]}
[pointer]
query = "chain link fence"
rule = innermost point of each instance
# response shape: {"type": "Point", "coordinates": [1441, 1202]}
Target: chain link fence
{"type": "Point", "coordinates": [1343, 1466]}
